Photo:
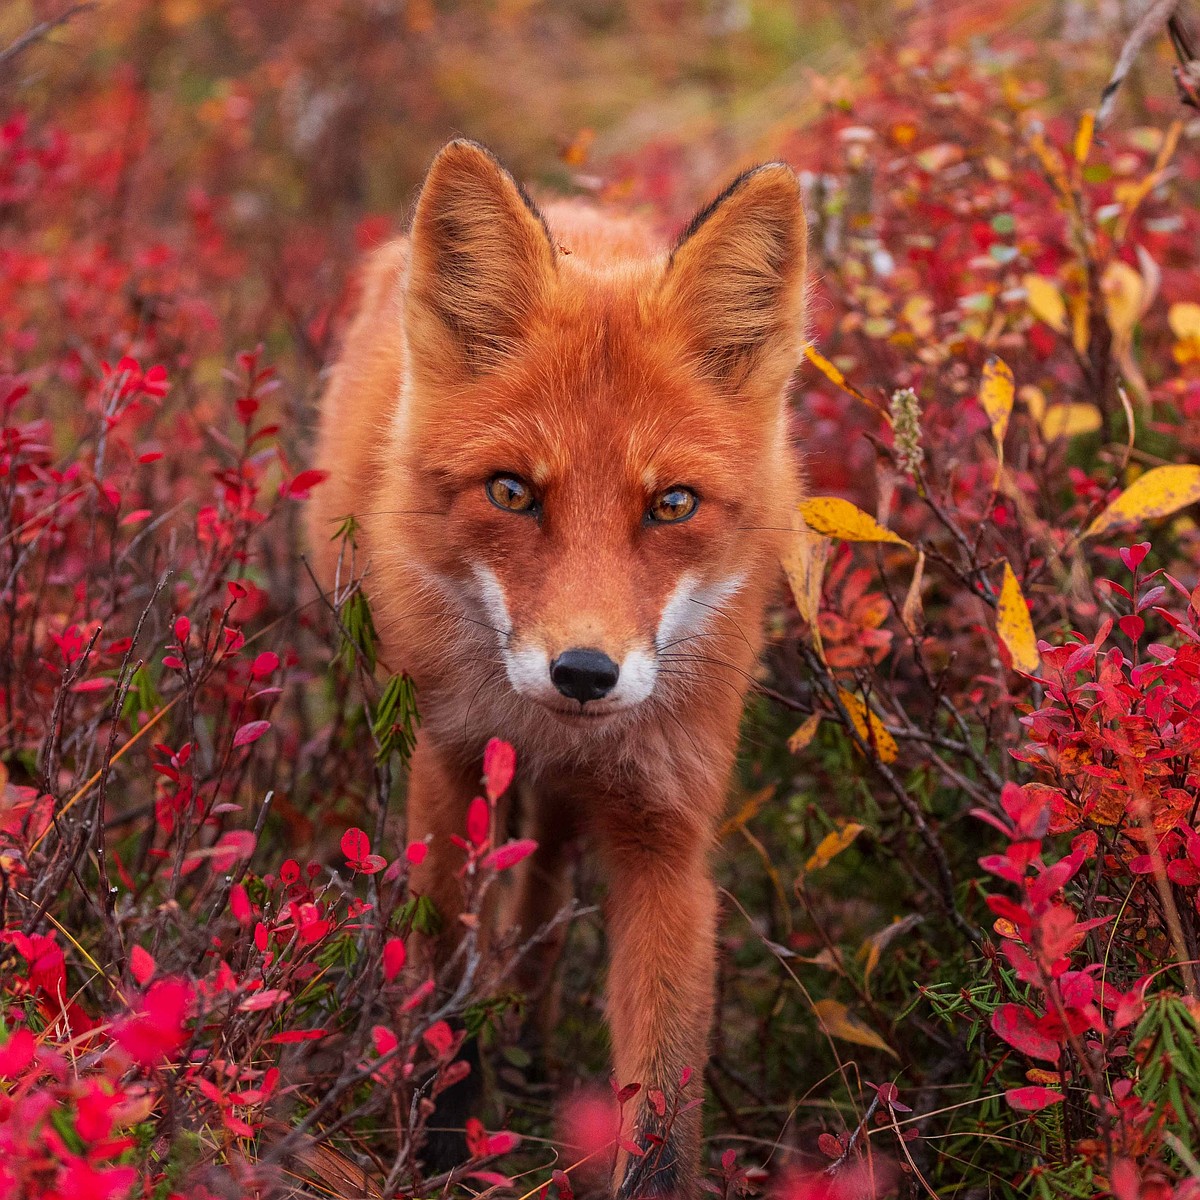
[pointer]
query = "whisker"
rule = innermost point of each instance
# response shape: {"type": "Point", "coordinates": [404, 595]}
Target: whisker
{"type": "Point", "coordinates": [707, 658]}
{"type": "Point", "coordinates": [393, 512]}
{"type": "Point", "coordinates": [490, 677]}
{"type": "Point", "coordinates": [688, 638]}
{"type": "Point", "coordinates": [720, 612]}
{"type": "Point", "coordinates": [684, 730]}
{"type": "Point", "coordinates": [700, 677]}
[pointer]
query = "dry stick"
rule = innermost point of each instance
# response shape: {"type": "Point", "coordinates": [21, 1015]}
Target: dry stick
{"type": "Point", "coordinates": [37, 32]}
{"type": "Point", "coordinates": [1152, 21]}
{"type": "Point", "coordinates": [910, 806]}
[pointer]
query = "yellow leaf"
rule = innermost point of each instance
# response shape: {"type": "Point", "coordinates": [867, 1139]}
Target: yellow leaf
{"type": "Point", "coordinates": [749, 810]}
{"type": "Point", "coordinates": [1124, 299]}
{"type": "Point", "coordinates": [1184, 320]}
{"type": "Point", "coordinates": [1069, 420]}
{"type": "Point", "coordinates": [1049, 1078]}
{"type": "Point", "coordinates": [835, 376]}
{"type": "Point", "coordinates": [833, 517]}
{"type": "Point", "coordinates": [804, 564]}
{"type": "Point", "coordinates": [912, 614]}
{"type": "Point", "coordinates": [1083, 136]}
{"type": "Point", "coordinates": [837, 1021]}
{"type": "Point", "coordinates": [996, 395]}
{"type": "Point", "coordinates": [1014, 626]}
{"type": "Point", "coordinates": [831, 845]}
{"type": "Point", "coordinates": [875, 734]}
{"type": "Point", "coordinates": [804, 735]}
{"type": "Point", "coordinates": [1046, 302]}
{"type": "Point", "coordinates": [918, 312]}
{"type": "Point", "coordinates": [1080, 333]}
{"type": "Point", "coordinates": [1034, 399]}
{"type": "Point", "coordinates": [873, 946]}
{"type": "Point", "coordinates": [1158, 493]}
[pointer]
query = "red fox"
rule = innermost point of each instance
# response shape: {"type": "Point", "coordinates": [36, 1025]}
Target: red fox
{"type": "Point", "coordinates": [566, 450]}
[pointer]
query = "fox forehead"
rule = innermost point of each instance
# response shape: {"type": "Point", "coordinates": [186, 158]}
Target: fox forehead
{"type": "Point", "coordinates": [618, 404]}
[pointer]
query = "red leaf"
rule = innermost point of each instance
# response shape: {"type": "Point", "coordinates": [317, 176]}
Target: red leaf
{"type": "Point", "coordinates": [250, 732]}
{"type": "Point", "coordinates": [1032, 1099]}
{"type": "Point", "coordinates": [503, 1143]}
{"type": "Point", "coordinates": [509, 854]}
{"type": "Point", "coordinates": [355, 846]}
{"type": "Point", "coordinates": [477, 1138]}
{"type": "Point", "coordinates": [1132, 556]}
{"type": "Point", "coordinates": [239, 905]}
{"type": "Point", "coordinates": [440, 1039]}
{"type": "Point", "coordinates": [830, 1146]}
{"type": "Point", "coordinates": [233, 847]}
{"type": "Point", "coordinates": [1018, 1027]}
{"type": "Point", "coordinates": [479, 820]}
{"type": "Point", "coordinates": [264, 664]}
{"type": "Point", "coordinates": [156, 1029]}
{"type": "Point", "coordinates": [266, 998]}
{"type": "Point", "coordinates": [394, 957]}
{"type": "Point", "coordinates": [141, 965]}
{"type": "Point", "coordinates": [499, 763]}
{"type": "Point", "coordinates": [299, 487]}
{"type": "Point", "coordinates": [17, 1053]}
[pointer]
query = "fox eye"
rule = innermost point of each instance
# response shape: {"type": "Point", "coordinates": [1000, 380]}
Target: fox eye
{"type": "Point", "coordinates": [511, 494]}
{"type": "Point", "coordinates": [671, 506]}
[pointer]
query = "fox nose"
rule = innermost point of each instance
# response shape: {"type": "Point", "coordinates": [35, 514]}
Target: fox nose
{"type": "Point", "coordinates": [584, 675]}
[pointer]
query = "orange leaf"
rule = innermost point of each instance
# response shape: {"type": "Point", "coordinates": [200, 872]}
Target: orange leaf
{"type": "Point", "coordinates": [836, 377]}
{"type": "Point", "coordinates": [874, 733]}
{"type": "Point", "coordinates": [839, 1022]}
{"type": "Point", "coordinates": [831, 845]}
{"type": "Point", "coordinates": [805, 733]}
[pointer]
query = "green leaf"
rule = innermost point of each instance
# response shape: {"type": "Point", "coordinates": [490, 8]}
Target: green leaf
{"type": "Point", "coordinates": [395, 720]}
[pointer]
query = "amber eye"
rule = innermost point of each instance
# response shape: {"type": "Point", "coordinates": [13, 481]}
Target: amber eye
{"type": "Point", "coordinates": [673, 505]}
{"type": "Point", "coordinates": [511, 494]}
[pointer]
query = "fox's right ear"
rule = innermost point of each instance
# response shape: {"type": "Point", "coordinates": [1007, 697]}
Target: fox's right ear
{"type": "Point", "coordinates": [736, 280]}
{"type": "Point", "coordinates": [481, 262]}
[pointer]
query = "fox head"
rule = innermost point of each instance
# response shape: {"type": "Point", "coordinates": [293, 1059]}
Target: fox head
{"type": "Point", "coordinates": [596, 439]}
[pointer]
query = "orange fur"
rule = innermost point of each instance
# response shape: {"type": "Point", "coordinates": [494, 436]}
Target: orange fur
{"type": "Point", "coordinates": [573, 352]}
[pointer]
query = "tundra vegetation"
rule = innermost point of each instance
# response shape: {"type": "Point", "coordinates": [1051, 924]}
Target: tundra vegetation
{"type": "Point", "coordinates": [961, 871]}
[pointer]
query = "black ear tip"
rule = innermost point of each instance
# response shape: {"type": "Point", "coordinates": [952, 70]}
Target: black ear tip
{"type": "Point", "coordinates": [763, 174]}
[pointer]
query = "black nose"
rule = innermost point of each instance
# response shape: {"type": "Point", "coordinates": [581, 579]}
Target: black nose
{"type": "Point", "coordinates": [584, 675]}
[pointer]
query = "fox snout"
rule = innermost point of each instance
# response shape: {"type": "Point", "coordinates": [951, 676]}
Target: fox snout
{"type": "Point", "coordinates": [580, 666]}
{"type": "Point", "coordinates": [579, 679]}
{"type": "Point", "coordinates": [584, 674]}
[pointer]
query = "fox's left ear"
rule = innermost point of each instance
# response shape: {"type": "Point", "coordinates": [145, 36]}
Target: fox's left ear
{"type": "Point", "coordinates": [735, 282]}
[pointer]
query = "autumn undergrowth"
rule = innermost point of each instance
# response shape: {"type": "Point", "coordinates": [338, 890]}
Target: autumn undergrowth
{"type": "Point", "coordinates": [961, 871]}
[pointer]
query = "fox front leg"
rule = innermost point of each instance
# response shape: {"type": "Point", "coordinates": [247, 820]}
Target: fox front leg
{"type": "Point", "coordinates": [662, 932]}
